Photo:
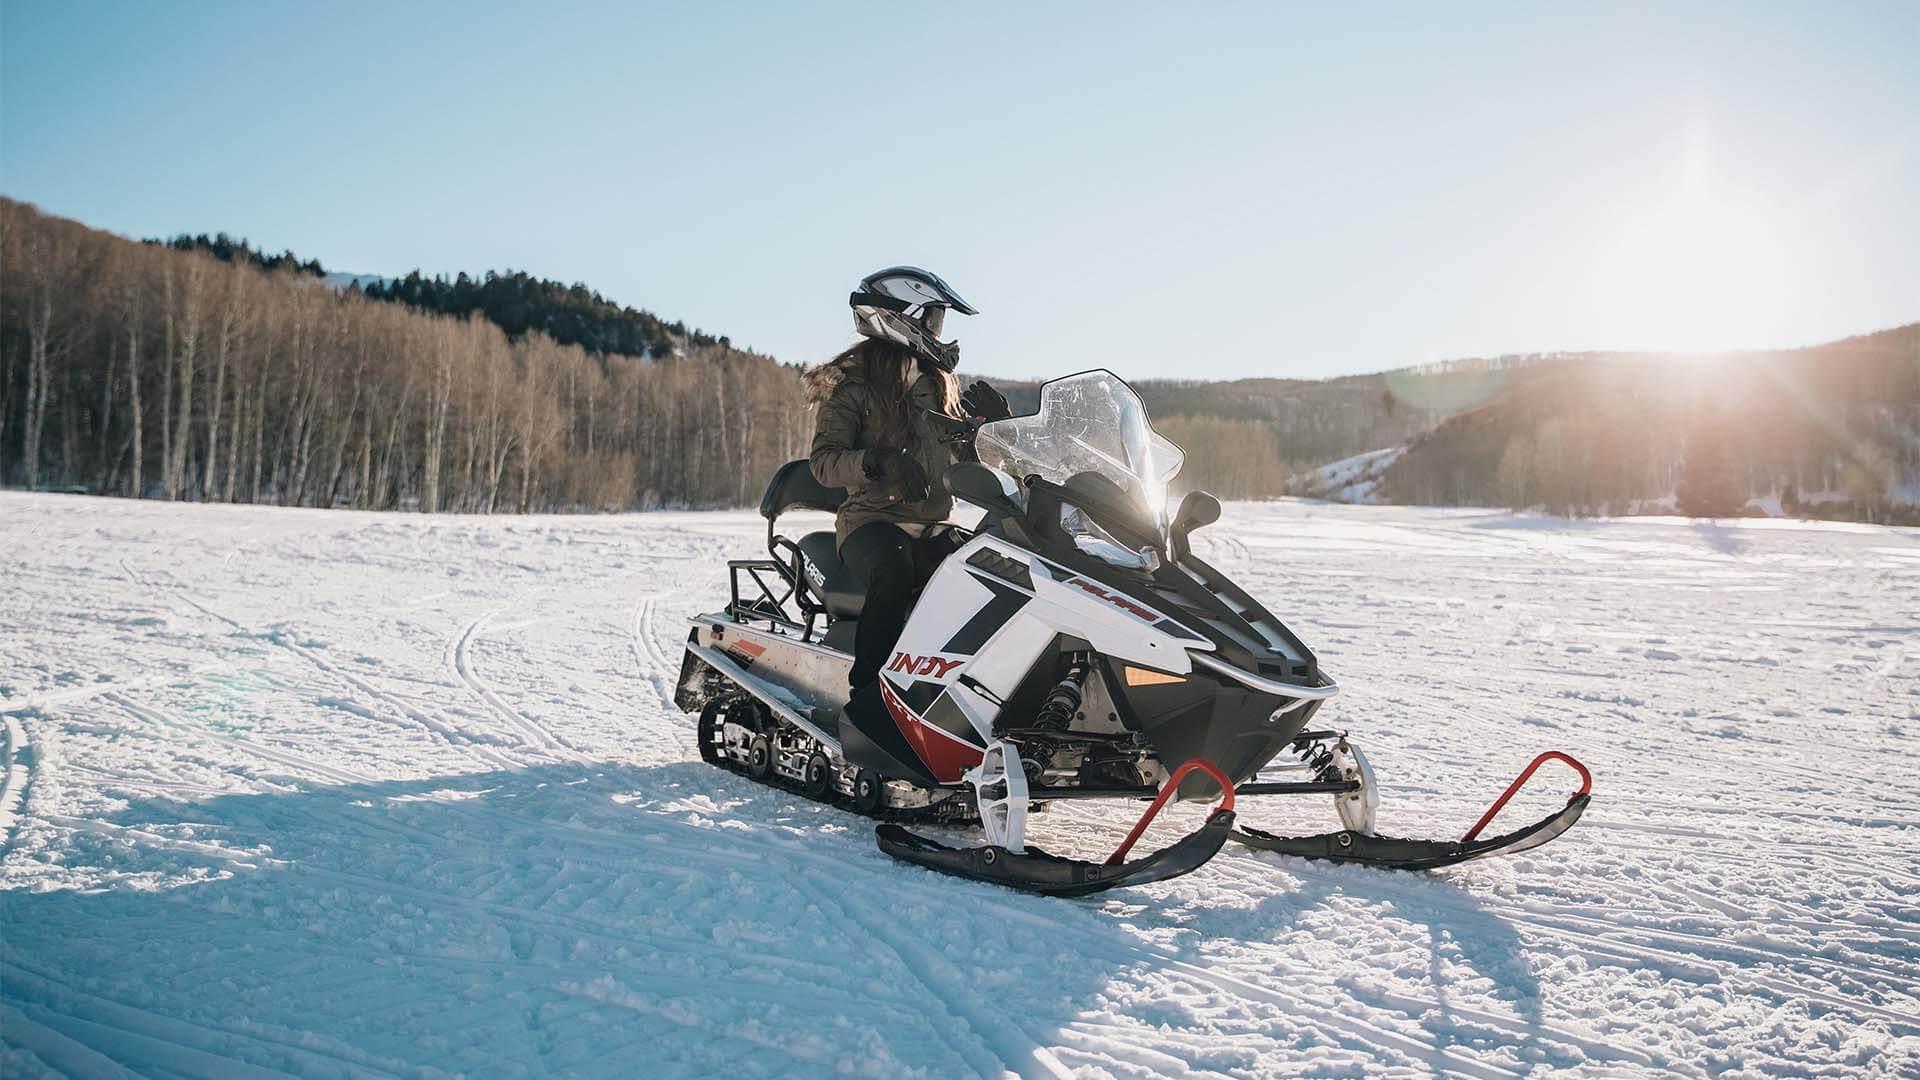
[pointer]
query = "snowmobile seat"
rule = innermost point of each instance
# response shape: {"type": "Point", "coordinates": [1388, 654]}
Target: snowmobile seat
{"type": "Point", "coordinates": [793, 487]}
{"type": "Point", "coordinates": [835, 585]}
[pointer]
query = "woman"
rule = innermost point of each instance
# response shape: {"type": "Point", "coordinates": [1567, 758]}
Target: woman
{"type": "Point", "coordinates": [879, 434]}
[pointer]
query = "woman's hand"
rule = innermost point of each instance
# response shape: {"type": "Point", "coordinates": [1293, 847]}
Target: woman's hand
{"type": "Point", "coordinates": [983, 401]}
{"type": "Point", "coordinates": [898, 473]}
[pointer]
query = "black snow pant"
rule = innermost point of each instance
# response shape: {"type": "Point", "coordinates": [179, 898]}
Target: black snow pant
{"type": "Point", "coordinates": [887, 566]}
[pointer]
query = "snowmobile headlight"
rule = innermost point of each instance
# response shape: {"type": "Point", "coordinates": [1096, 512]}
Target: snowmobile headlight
{"type": "Point", "coordinates": [1093, 540]}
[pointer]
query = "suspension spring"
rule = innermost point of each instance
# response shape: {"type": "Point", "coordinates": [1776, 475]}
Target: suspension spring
{"type": "Point", "coordinates": [1064, 700]}
{"type": "Point", "coordinates": [1319, 759]}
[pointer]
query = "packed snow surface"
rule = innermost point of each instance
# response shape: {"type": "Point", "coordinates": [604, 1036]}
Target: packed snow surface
{"type": "Point", "coordinates": [336, 794]}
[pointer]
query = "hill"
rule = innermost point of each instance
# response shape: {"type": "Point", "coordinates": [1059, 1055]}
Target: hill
{"type": "Point", "coordinates": [1249, 438]}
{"type": "Point", "coordinates": [1830, 430]}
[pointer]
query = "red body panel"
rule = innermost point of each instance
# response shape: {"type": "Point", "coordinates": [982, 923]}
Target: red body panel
{"type": "Point", "coordinates": [946, 757]}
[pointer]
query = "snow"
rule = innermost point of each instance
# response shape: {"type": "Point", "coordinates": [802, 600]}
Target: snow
{"type": "Point", "coordinates": [331, 793]}
{"type": "Point", "coordinates": [1350, 480]}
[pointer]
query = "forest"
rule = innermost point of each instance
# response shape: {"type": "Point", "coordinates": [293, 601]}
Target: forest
{"type": "Point", "coordinates": [203, 368]}
{"type": "Point", "coordinates": [168, 372]}
{"type": "Point", "coordinates": [227, 249]}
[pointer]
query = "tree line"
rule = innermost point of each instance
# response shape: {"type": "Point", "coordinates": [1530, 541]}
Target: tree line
{"type": "Point", "coordinates": [227, 249]}
{"type": "Point", "coordinates": [514, 301]}
{"type": "Point", "coordinates": [169, 372]}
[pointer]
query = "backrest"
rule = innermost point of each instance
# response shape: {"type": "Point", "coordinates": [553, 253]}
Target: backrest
{"type": "Point", "coordinates": [793, 487]}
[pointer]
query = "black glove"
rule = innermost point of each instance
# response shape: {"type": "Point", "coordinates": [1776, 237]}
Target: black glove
{"type": "Point", "coordinates": [984, 402]}
{"type": "Point", "coordinates": [897, 472]}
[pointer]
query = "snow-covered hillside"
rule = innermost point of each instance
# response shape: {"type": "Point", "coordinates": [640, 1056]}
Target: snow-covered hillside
{"type": "Point", "coordinates": [1350, 480]}
{"type": "Point", "coordinates": [337, 794]}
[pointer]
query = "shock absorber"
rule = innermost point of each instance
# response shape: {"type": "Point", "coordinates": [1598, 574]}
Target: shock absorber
{"type": "Point", "coordinates": [1056, 712]}
{"type": "Point", "coordinates": [1316, 755]}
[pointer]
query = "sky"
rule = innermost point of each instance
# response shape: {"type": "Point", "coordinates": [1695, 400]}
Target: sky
{"type": "Point", "coordinates": [1260, 190]}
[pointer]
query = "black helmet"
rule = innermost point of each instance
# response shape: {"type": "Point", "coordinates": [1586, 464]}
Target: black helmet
{"type": "Point", "coordinates": [905, 304]}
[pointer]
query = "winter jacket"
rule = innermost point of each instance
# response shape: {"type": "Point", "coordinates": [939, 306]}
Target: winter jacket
{"type": "Point", "coordinates": [841, 436]}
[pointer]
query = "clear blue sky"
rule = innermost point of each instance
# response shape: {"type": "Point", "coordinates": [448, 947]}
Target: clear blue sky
{"type": "Point", "coordinates": [1262, 190]}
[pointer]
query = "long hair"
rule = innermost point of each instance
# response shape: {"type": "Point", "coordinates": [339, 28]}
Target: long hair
{"type": "Point", "coordinates": [889, 370]}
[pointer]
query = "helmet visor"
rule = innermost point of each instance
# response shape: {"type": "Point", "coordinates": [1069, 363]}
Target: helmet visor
{"type": "Point", "coordinates": [934, 319]}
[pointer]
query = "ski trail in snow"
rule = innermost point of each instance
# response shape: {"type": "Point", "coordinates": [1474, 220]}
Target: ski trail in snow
{"type": "Point", "coordinates": [160, 1043]}
{"type": "Point", "coordinates": [283, 640]}
{"type": "Point", "coordinates": [948, 990]}
{"type": "Point", "coordinates": [654, 662]}
{"type": "Point", "coordinates": [64, 1056]}
{"type": "Point", "coordinates": [1447, 1060]}
{"type": "Point", "coordinates": [445, 732]}
{"type": "Point", "coordinates": [533, 733]}
{"type": "Point", "coordinates": [13, 789]}
{"type": "Point", "coordinates": [655, 665]}
{"type": "Point", "coordinates": [1708, 967]}
{"type": "Point", "coordinates": [231, 857]}
{"type": "Point", "coordinates": [256, 747]}
{"type": "Point", "coordinates": [58, 699]}
{"type": "Point", "coordinates": [1678, 943]}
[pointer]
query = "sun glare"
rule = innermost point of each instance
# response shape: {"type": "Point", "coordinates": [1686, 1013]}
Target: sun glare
{"type": "Point", "coordinates": [1697, 268]}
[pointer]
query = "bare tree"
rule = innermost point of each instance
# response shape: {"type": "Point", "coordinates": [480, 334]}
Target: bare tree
{"type": "Point", "coordinates": [42, 257]}
{"type": "Point", "coordinates": [234, 311]}
{"type": "Point", "coordinates": [191, 325]}
{"type": "Point", "coordinates": [440, 402]}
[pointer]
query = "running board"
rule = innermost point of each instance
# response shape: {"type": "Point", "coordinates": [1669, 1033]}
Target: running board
{"type": "Point", "coordinates": [767, 693]}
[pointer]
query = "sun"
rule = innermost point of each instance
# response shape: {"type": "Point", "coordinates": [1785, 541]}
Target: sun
{"type": "Point", "coordinates": [1697, 268]}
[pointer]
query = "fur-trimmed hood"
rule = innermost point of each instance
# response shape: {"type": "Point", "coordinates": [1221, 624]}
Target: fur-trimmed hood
{"type": "Point", "coordinates": [822, 379]}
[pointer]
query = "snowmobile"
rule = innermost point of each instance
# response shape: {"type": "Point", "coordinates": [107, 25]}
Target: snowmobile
{"type": "Point", "coordinates": [1072, 647]}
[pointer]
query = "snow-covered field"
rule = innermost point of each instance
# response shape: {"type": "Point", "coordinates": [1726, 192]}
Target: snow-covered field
{"type": "Point", "coordinates": [332, 794]}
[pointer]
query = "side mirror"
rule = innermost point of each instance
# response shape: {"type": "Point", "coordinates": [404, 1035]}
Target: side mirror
{"type": "Point", "coordinates": [1197, 509]}
{"type": "Point", "coordinates": [985, 487]}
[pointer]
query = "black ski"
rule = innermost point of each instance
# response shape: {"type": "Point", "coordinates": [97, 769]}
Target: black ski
{"type": "Point", "coordinates": [1035, 871]}
{"type": "Point", "coordinates": [1401, 853]}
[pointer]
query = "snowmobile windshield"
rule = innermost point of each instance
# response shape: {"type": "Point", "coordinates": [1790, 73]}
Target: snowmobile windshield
{"type": "Point", "coordinates": [1088, 423]}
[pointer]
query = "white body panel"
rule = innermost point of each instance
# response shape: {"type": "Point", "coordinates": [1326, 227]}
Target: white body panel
{"type": "Point", "coordinates": [1060, 603]}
